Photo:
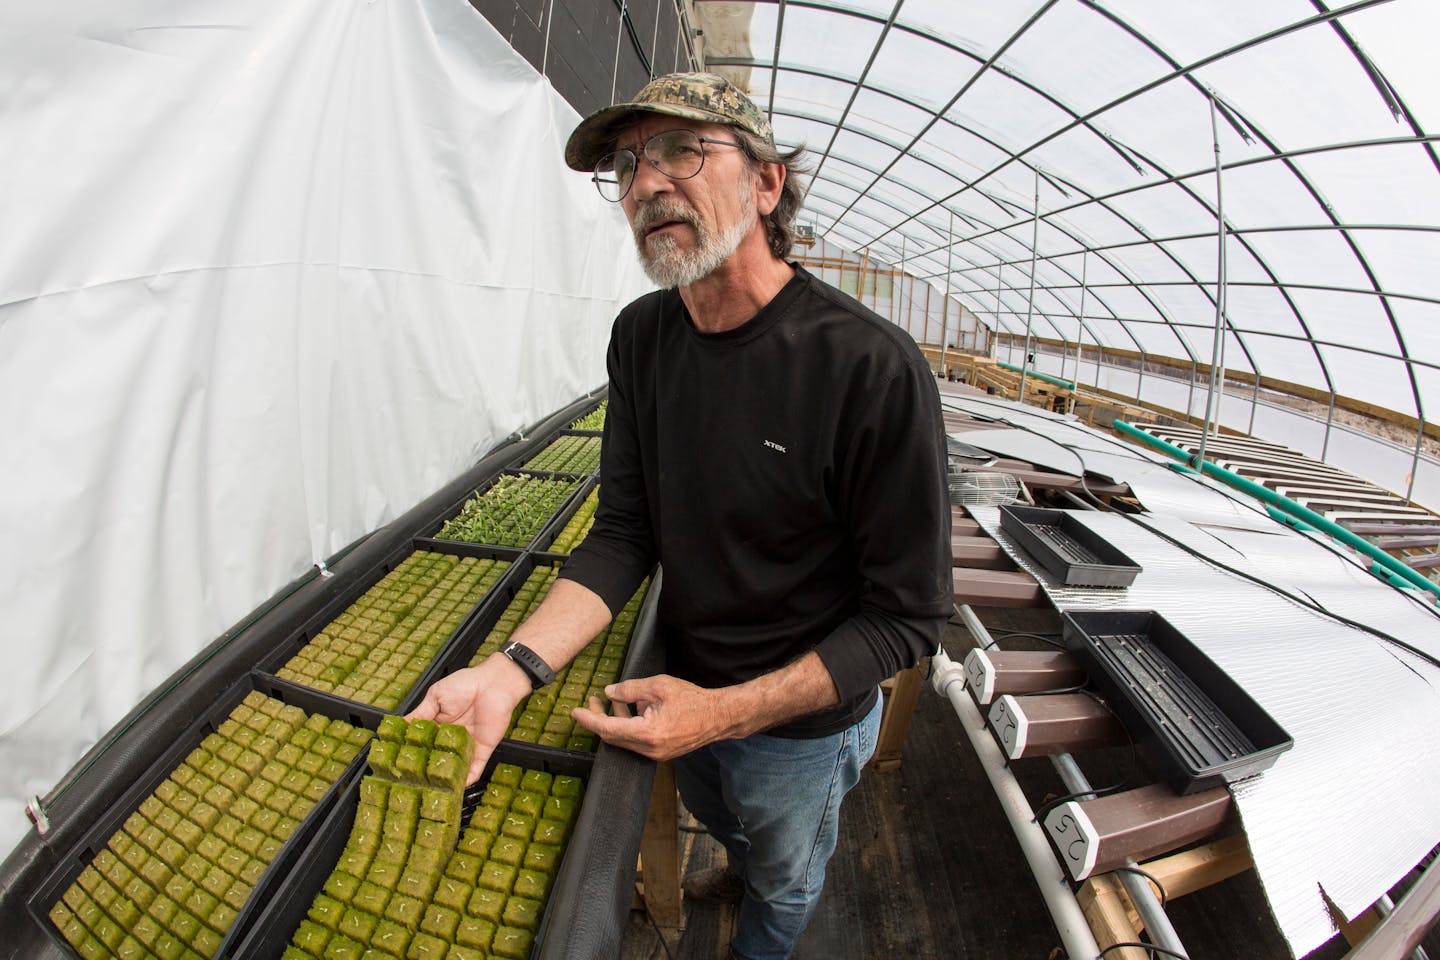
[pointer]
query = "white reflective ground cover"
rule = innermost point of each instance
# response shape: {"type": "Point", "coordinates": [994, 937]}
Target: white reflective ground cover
{"type": "Point", "coordinates": [920, 110]}
{"type": "Point", "coordinates": [1352, 807]}
{"type": "Point", "coordinates": [270, 274]}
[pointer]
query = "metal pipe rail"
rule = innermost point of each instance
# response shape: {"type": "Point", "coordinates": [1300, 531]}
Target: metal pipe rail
{"type": "Point", "coordinates": [1271, 498]}
{"type": "Point", "coordinates": [948, 679]}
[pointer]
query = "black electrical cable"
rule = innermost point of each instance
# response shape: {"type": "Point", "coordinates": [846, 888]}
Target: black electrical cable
{"type": "Point", "coordinates": [649, 916]}
{"type": "Point", "coordinates": [1053, 641]}
{"type": "Point", "coordinates": [1053, 802]}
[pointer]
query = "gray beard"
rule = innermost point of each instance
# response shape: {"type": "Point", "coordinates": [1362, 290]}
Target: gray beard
{"type": "Point", "coordinates": [665, 262]}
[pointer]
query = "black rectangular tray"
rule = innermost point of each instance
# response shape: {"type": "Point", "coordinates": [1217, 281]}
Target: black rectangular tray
{"type": "Point", "coordinates": [518, 464]}
{"type": "Point", "coordinates": [85, 850]}
{"type": "Point", "coordinates": [270, 933]}
{"type": "Point", "coordinates": [557, 523]}
{"type": "Point", "coordinates": [643, 656]}
{"type": "Point", "coordinates": [1072, 552]}
{"type": "Point", "coordinates": [292, 644]}
{"type": "Point", "coordinates": [1197, 726]}
{"type": "Point", "coordinates": [432, 531]}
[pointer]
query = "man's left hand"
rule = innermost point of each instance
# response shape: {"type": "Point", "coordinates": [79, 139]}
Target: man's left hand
{"type": "Point", "coordinates": [659, 717]}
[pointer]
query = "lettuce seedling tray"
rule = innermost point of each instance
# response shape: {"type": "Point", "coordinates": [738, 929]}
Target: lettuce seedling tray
{"type": "Point", "coordinates": [1197, 726]}
{"type": "Point", "coordinates": [511, 509]}
{"type": "Point", "coordinates": [291, 903]}
{"type": "Point", "coordinates": [1073, 553]}
{"type": "Point", "coordinates": [569, 452]}
{"type": "Point", "coordinates": [145, 862]}
{"type": "Point", "coordinates": [546, 540]}
{"type": "Point", "coordinates": [286, 659]}
{"type": "Point", "coordinates": [576, 681]}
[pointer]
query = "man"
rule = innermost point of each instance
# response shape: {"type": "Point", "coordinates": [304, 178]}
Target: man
{"type": "Point", "coordinates": [778, 449]}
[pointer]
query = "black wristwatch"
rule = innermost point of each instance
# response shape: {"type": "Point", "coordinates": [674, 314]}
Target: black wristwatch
{"type": "Point", "coordinates": [528, 660]}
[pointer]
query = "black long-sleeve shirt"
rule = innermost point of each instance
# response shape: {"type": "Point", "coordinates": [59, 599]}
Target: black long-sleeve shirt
{"type": "Point", "coordinates": [789, 475]}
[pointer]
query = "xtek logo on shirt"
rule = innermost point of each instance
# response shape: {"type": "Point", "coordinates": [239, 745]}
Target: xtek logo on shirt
{"type": "Point", "coordinates": [773, 445]}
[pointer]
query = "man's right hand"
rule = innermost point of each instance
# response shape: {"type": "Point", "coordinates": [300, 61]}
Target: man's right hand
{"type": "Point", "coordinates": [481, 699]}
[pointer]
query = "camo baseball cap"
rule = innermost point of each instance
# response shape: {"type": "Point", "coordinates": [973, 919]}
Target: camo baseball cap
{"type": "Point", "coordinates": [706, 97]}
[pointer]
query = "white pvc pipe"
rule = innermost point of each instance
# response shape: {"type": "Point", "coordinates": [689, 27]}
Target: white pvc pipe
{"type": "Point", "coordinates": [948, 679]}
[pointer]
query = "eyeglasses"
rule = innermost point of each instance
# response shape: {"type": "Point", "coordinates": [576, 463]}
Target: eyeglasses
{"type": "Point", "coordinates": [679, 154]}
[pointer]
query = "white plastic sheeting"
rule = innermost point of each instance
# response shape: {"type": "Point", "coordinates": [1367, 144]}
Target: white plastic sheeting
{"type": "Point", "coordinates": [1350, 809]}
{"type": "Point", "coordinates": [921, 108]}
{"type": "Point", "coordinates": [270, 274]}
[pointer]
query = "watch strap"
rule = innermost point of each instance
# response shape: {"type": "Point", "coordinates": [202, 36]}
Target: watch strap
{"type": "Point", "coordinates": [528, 660]}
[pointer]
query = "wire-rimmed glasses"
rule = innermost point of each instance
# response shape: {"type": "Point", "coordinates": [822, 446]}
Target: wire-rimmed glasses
{"type": "Point", "coordinates": [679, 154]}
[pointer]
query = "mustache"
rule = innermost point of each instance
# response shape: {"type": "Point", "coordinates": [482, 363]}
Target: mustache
{"type": "Point", "coordinates": [658, 211]}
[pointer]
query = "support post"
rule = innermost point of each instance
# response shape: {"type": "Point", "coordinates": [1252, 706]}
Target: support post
{"type": "Point", "coordinates": [619, 32]}
{"type": "Point", "coordinates": [945, 311]}
{"type": "Point", "coordinates": [1221, 282]}
{"type": "Point", "coordinates": [910, 299]}
{"type": "Point", "coordinates": [999, 282]}
{"type": "Point", "coordinates": [1415, 461]}
{"type": "Point", "coordinates": [1329, 421]}
{"type": "Point", "coordinates": [1080, 325]}
{"type": "Point", "coordinates": [545, 53]}
{"type": "Point", "coordinates": [1030, 301]}
{"type": "Point", "coordinates": [660, 849]}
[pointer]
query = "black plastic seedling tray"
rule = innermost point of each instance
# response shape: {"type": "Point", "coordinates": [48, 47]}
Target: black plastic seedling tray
{"type": "Point", "coordinates": [643, 656]}
{"type": "Point", "coordinates": [270, 933]}
{"type": "Point", "coordinates": [293, 643]}
{"type": "Point", "coordinates": [562, 517]}
{"type": "Point", "coordinates": [1072, 552]}
{"type": "Point", "coordinates": [83, 853]}
{"type": "Point", "coordinates": [518, 464]}
{"type": "Point", "coordinates": [1196, 725]}
{"type": "Point", "coordinates": [568, 503]}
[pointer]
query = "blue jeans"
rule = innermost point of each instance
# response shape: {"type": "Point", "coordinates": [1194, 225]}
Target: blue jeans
{"type": "Point", "coordinates": [774, 803]}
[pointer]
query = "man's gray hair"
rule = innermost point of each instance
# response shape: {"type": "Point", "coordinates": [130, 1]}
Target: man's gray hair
{"type": "Point", "coordinates": [780, 222]}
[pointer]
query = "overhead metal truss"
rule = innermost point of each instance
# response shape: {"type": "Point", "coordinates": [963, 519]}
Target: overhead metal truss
{"type": "Point", "coordinates": [858, 196]}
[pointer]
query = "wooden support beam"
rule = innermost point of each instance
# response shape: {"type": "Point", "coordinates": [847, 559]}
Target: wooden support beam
{"type": "Point", "coordinates": [1106, 909]}
{"type": "Point", "coordinates": [997, 588]}
{"type": "Point", "coordinates": [963, 527]}
{"type": "Point", "coordinates": [660, 850]}
{"type": "Point", "coordinates": [978, 552]}
{"type": "Point", "coordinates": [1095, 836]}
{"type": "Point", "coordinates": [1041, 725]}
{"type": "Point", "coordinates": [1179, 874]}
{"type": "Point", "coordinates": [1424, 561]}
{"type": "Point", "coordinates": [1200, 867]}
{"type": "Point", "coordinates": [1397, 529]}
{"type": "Point", "coordinates": [1405, 543]}
{"type": "Point", "coordinates": [895, 723]}
{"type": "Point", "coordinates": [993, 673]}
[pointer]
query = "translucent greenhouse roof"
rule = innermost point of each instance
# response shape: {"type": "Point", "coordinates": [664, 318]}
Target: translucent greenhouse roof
{"type": "Point", "coordinates": [926, 113]}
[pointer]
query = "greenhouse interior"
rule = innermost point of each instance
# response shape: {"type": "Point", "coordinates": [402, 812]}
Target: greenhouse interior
{"type": "Point", "coordinates": [309, 398]}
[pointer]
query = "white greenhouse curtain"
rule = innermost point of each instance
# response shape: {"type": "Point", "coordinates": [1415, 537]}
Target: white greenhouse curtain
{"type": "Point", "coordinates": [270, 274]}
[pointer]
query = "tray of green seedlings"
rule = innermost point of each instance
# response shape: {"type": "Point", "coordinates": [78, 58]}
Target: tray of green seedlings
{"type": "Point", "coordinates": [543, 718]}
{"type": "Point", "coordinates": [510, 512]}
{"type": "Point", "coordinates": [571, 526]}
{"type": "Point", "coordinates": [182, 863]}
{"type": "Point", "coordinates": [377, 643]}
{"type": "Point", "coordinates": [568, 453]}
{"type": "Point", "coordinates": [592, 422]}
{"type": "Point", "coordinates": [410, 866]}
